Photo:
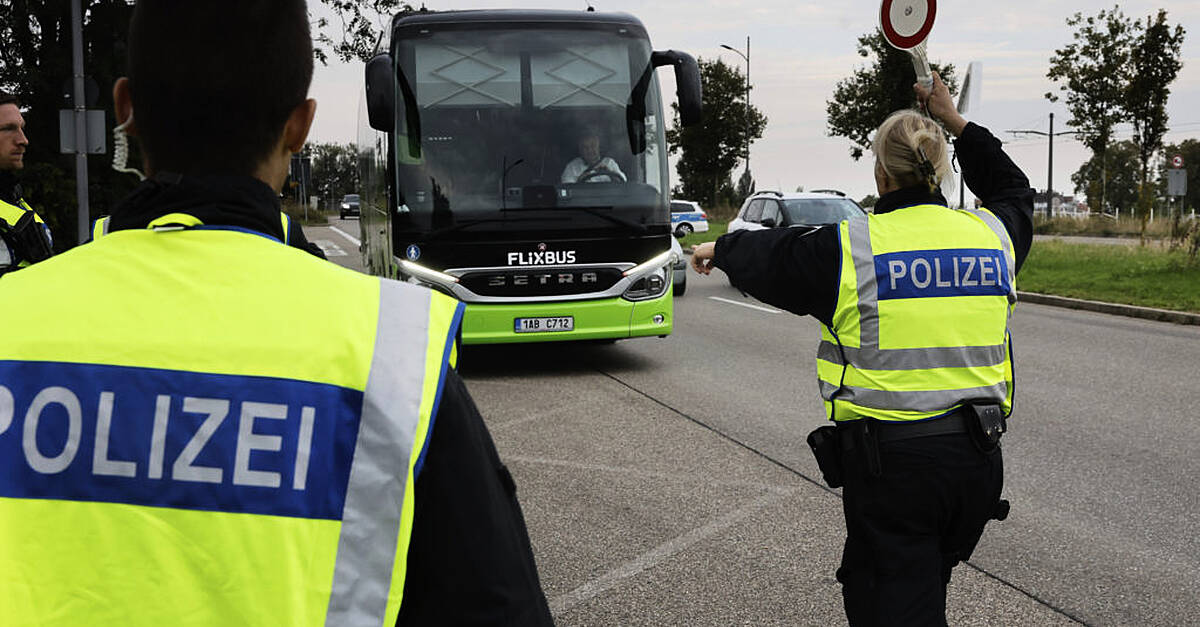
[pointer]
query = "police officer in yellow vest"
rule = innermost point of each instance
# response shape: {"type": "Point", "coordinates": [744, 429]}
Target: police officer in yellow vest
{"type": "Point", "coordinates": [208, 427]}
{"type": "Point", "coordinates": [25, 237]}
{"type": "Point", "coordinates": [914, 362]}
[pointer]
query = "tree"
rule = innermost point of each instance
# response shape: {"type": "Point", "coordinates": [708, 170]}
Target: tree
{"type": "Point", "coordinates": [711, 149]}
{"type": "Point", "coordinates": [869, 200]}
{"type": "Point", "coordinates": [360, 24]}
{"type": "Point", "coordinates": [1093, 72]}
{"type": "Point", "coordinates": [1111, 177]}
{"type": "Point", "coordinates": [35, 64]}
{"type": "Point", "coordinates": [862, 101]}
{"type": "Point", "coordinates": [1155, 60]}
{"type": "Point", "coordinates": [334, 170]}
{"type": "Point", "coordinates": [745, 186]}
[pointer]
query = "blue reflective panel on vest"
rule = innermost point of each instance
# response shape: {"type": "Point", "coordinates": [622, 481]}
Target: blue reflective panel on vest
{"type": "Point", "coordinates": [165, 438]}
{"type": "Point", "coordinates": [949, 272]}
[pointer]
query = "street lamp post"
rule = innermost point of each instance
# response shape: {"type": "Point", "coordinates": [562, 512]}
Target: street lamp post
{"type": "Point", "coordinates": [747, 58]}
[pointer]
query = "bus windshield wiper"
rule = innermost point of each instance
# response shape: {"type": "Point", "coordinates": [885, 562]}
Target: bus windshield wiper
{"type": "Point", "coordinates": [599, 213]}
{"type": "Point", "coordinates": [469, 223]}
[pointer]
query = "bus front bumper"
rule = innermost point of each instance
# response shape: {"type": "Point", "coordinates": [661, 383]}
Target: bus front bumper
{"type": "Point", "coordinates": [610, 318]}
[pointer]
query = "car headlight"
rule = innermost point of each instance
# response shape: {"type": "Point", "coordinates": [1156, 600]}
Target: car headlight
{"type": "Point", "coordinates": [345, 205]}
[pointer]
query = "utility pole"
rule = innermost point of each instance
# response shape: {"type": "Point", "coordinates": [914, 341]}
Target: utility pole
{"type": "Point", "coordinates": [81, 143]}
{"type": "Point", "coordinates": [1050, 161]}
{"type": "Point", "coordinates": [747, 58]}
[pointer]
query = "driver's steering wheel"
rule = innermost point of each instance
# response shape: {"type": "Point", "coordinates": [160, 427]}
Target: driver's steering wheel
{"type": "Point", "coordinates": [599, 172]}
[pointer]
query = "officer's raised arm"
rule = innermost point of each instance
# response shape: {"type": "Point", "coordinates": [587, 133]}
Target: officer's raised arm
{"type": "Point", "coordinates": [987, 170]}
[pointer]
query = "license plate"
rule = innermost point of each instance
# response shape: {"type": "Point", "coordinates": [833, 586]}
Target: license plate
{"type": "Point", "coordinates": [544, 325]}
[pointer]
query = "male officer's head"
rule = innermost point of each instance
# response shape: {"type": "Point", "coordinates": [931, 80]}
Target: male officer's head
{"type": "Point", "coordinates": [218, 87]}
{"type": "Point", "coordinates": [12, 133]}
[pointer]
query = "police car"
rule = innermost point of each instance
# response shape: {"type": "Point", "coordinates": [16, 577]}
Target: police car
{"type": "Point", "coordinates": [765, 210]}
{"type": "Point", "coordinates": [687, 218]}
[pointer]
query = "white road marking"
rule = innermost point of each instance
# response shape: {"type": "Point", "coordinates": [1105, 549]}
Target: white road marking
{"type": "Point", "coordinates": [329, 248]}
{"type": "Point", "coordinates": [734, 302]}
{"type": "Point", "coordinates": [346, 235]}
{"type": "Point", "coordinates": [660, 553]}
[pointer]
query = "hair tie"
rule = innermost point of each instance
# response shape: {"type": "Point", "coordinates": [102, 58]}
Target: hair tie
{"type": "Point", "coordinates": [926, 168]}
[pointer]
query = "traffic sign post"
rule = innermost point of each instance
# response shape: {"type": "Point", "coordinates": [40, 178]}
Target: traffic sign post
{"type": "Point", "coordinates": [906, 25]}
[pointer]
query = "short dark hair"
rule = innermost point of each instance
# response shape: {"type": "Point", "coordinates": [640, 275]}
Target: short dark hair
{"type": "Point", "coordinates": [214, 82]}
{"type": "Point", "coordinates": [7, 98]}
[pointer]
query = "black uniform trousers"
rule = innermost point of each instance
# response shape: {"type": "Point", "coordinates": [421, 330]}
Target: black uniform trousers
{"type": "Point", "coordinates": [910, 525]}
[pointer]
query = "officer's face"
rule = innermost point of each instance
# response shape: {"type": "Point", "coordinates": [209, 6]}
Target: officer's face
{"type": "Point", "coordinates": [12, 138]}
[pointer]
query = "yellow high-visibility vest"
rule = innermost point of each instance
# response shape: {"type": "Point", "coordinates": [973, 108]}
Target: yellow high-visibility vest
{"type": "Point", "coordinates": [206, 427]}
{"type": "Point", "coordinates": [921, 322]}
{"type": "Point", "coordinates": [102, 224]}
{"type": "Point", "coordinates": [11, 213]}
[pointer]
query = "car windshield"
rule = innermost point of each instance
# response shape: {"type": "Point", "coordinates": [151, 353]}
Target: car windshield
{"type": "Point", "coordinates": [819, 210]}
{"type": "Point", "coordinates": [682, 206]}
{"type": "Point", "coordinates": [351, 198]}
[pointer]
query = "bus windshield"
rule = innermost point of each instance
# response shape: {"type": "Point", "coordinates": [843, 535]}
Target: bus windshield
{"type": "Point", "coordinates": [519, 129]}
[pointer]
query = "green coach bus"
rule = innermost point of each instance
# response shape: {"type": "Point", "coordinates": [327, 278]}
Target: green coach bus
{"type": "Point", "coordinates": [516, 160]}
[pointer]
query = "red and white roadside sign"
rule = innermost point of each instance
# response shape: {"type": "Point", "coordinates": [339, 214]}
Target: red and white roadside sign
{"type": "Point", "coordinates": [1177, 161]}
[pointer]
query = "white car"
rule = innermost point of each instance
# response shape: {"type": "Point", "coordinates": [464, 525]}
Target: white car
{"type": "Point", "coordinates": [765, 210]}
{"type": "Point", "coordinates": [687, 217]}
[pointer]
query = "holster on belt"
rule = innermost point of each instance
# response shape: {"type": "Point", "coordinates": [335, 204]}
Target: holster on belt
{"type": "Point", "coordinates": [985, 424]}
{"type": "Point", "coordinates": [825, 443]}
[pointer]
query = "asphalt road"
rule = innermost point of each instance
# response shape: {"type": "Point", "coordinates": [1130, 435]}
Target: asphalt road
{"type": "Point", "coordinates": [666, 481]}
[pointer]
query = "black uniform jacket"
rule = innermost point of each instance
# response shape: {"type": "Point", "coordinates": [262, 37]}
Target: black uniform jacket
{"type": "Point", "coordinates": [799, 270]}
{"type": "Point", "coordinates": [469, 561]}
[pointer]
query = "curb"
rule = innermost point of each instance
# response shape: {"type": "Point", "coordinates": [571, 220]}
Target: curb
{"type": "Point", "coordinates": [1132, 311]}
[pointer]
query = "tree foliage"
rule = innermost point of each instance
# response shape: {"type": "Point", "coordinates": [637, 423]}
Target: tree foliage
{"type": "Point", "coordinates": [1155, 61]}
{"type": "Point", "coordinates": [1110, 177]}
{"type": "Point", "coordinates": [35, 64]}
{"type": "Point", "coordinates": [334, 170]}
{"type": "Point", "coordinates": [1118, 70]}
{"type": "Point", "coordinates": [355, 29]}
{"type": "Point", "coordinates": [710, 150]}
{"type": "Point", "coordinates": [862, 101]}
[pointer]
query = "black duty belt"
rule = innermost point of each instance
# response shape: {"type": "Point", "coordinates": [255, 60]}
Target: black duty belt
{"type": "Point", "coordinates": [895, 430]}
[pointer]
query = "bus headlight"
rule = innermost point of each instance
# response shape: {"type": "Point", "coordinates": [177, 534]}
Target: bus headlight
{"type": "Point", "coordinates": [421, 275]}
{"type": "Point", "coordinates": [648, 286]}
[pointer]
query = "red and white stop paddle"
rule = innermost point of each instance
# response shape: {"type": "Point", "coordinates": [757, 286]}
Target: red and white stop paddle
{"type": "Point", "coordinates": [906, 24]}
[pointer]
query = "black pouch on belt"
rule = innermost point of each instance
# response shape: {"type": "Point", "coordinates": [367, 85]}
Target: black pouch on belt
{"type": "Point", "coordinates": [986, 423]}
{"type": "Point", "coordinates": [825, 446]}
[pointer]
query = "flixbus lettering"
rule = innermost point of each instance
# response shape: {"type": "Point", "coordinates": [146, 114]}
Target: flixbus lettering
{"type": "Point", "coordinates": [543, 258]}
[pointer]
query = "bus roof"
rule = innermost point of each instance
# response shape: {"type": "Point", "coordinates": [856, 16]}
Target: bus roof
{"type": "Point", "coordinates": [516, 16]}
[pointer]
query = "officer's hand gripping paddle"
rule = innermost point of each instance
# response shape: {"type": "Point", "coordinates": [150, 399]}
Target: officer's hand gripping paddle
{"type": "Point", "coordinates": [905, 25]}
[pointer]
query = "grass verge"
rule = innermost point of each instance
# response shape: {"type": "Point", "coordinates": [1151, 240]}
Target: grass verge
{"type": "Point", "coordinates": [715, 229]}
{"type": "Point", "coordinates": [1132, 275]}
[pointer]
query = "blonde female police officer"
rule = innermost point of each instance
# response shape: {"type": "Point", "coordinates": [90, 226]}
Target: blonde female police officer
{"type": "Point", "coordinates": [914, 364]}
{"type": "Point", "coordinates": [209, 427]}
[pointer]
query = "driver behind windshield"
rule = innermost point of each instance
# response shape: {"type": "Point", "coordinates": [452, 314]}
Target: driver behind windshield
{"type": "Point", "coordinates": [590, 166]}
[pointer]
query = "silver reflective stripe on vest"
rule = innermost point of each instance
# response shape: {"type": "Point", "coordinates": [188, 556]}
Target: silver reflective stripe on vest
{"type": "Point", "coordinates": [914, 358]}
{"type": "Point", "coordinates": [366, 550]}
{"type": "Point", "coordinates": [923, 400]}
{"type": "Point", "coordinates": [997, 227]}
{"type": "Point", "coordinates": [868, 289]}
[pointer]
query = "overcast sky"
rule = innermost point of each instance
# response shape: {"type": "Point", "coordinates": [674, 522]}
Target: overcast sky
{"type": "Point", "coordinates": [800, 49]}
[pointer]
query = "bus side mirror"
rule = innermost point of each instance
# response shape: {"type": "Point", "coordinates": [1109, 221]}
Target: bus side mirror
{"type": "Point", "coordinates": [381, 93]}
{"type": "Point", "coordinates": [687, 83]}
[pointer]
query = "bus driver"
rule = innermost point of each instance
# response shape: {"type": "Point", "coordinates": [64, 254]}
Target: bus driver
{"type": "Point", "coordinates": [590, 166]}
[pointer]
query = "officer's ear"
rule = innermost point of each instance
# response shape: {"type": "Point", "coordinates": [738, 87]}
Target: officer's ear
{"type": "Point", "coordinates": [123, 105]}
{"type": "Point", "coordinates": [295, 131]}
